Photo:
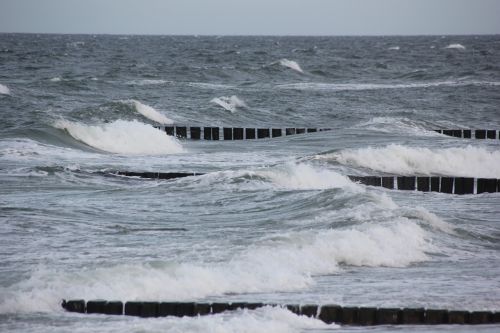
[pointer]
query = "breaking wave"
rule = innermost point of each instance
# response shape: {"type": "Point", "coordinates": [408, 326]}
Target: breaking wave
{"type": "Point", "coordinates": [280, 262]}
{"type": "Point", "coordinates": [306, 177]}
{"type": "Point", "coordinates": [150, 113]}
{"type": "Point", "coordinates": [4, 90]}
{"type": "Point", "coordinates": [455, 46]}
{"type": "Point", "coordinates": [398, 159]}
{"type": "Point", "coordinates": [123, 137]}
{"type": "Point", "coordinates": [291, 64]}
{"type": "Point", "coordinates": [231, 103]}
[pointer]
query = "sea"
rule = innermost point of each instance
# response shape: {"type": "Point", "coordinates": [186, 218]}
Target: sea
{"type": "Point", "coordinates": [272, 220]}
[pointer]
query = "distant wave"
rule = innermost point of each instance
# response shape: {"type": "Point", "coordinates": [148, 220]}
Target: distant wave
{"type": "Point", "coordinates": [291, 64]}
{"type": "Point", "coordinates": [4, 90]}
{"type": "Point", "coordinates": [376, 86]}
{"type": "Point", "coordinates": [229, 103]}
{"type": "Point", "coordinates": [56, 79]}
{"type": "Point", "coordinates": [149, 112]}
{"type": "Point", "coordinates": [123, 137]}
{"type": "Point", "coordinates": [398, 159]}
{"type": "Point", "coordinates": [455, 46]}
{"type": "Point", "coordinates": [394, 48]}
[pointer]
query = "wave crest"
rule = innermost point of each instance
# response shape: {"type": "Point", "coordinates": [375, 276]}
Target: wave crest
{"type": "Point", "coordinates": [291, 64]}
{"type": "Point", "coordinates": [123, 137]}
{"type": "Point", "coordinates": [285, 262]}
{"type": "Point", "coordinates": [4, 90]}
{"type": "Point", "coordinates": [455, 46]}
{"type": "Point", "coordinates": [307, 177]}
{"type": "Point", "coordinates": [150, 113]}
{"type": "Point", "coordinates": [465, 162]}
{"type": "Point", "coordinates": [231, 103]}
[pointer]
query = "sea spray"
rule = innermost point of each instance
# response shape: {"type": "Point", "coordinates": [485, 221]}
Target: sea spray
{"type": "Point", "coordinates": [123, 137]}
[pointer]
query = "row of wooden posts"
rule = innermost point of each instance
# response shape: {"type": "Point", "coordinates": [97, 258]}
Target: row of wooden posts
{"type": "Point", "coordinates": [248, 133]}
{"type": "Point", "coordinates": [328, 313]}
{"type": "Point", "coordinates": [451, 185]}
{"type": "Point", "coordinates": [233, 133]}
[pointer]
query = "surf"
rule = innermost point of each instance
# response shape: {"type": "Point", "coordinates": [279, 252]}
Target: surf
{"type": "Point", "coordinates": [122, 137]}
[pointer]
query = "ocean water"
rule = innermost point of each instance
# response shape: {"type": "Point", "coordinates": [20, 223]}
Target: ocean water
{"type": "Point", "coordinates": [272, 220]}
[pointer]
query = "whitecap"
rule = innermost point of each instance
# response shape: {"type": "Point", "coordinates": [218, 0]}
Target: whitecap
{"type": "Point", "coordinates": [455, 46]}
{"type": "Point", "coordinates": [403, 160]}
{"type": "Point", "coordinates": [286, 262]}
{"type": "Point", "coordinates": [231, 103]}
{"type": "Point", "coordinates": [304, 176]}
{"type": "Point", "coordinates": [123, 137]}
{"type": "Point", "coordinates": [150, 112]}
{"type": "Point", "coordinates": [291, 64]}
{"type": "Point", "coordinates": [4, 90]}
{"type": "Point", "coordinates": [55, 79]}
{"type": "Point", "coordinates": [394, 48]}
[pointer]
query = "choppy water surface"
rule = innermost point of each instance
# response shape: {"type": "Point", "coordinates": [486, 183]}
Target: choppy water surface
{"type": "Point", "coordinates": [271, 220]}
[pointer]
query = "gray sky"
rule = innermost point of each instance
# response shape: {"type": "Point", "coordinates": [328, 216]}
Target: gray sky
{"type": "Point", "coordinates": [252, 17]}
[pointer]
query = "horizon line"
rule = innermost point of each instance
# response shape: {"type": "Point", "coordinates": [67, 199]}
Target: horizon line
{"type": "Point", "coordinates": [249, 35]}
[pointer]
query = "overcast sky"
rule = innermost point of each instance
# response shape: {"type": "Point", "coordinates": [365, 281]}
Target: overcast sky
{"type": "Point", "coordinates": [252, 17]}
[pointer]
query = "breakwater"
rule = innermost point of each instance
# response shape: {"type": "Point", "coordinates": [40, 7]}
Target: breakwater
{"type": "Point", "coordinates": [450, 185]}
{"type": "Point", "coordinates": [328, 313]}
{"type": "Point", "coordinates": [234, 133]}
{"type": "Point", "coordinates": [470, 134]}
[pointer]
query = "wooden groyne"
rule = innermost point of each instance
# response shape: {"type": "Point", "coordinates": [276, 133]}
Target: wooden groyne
{"type": "Point", "coordinates": [329, 313]}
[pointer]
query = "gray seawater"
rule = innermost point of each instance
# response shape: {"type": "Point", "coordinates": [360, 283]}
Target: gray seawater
{"type": "Point", "coordinates": [272, 220]}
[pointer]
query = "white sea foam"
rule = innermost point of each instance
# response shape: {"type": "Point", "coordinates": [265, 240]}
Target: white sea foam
{"type": "Point", "coordinates": [150, 113]}
{"type": "Point", "coordinates": [123, 137]}
{"type": "Point", "coordinates": [401, 125]}
{"type": "Point", "coordinates": [374, 86]}
{"type": "Point", "coordinates": [231, 103]}
{"type": "Point", "coordinates": [394, 48]}
{"type": "Point", "coordinates": [291, 64]}
{"type": "Point", "coordinates": [307, 177]}
{"type": "Point", "coordinates": [4, 90]}
{"type": "Point", "coordinates": [398, 159]}
{"type": "Point", "coordinates": [267, 319]}
{"type": "Point", "coordinates": [148, 82]}
{"type": "Point", "coordinates": [55, 79]}
{"type": "Point", "coordinates": [286, 262]}
{"type": "Point", "coordinates": [455, 46]}
{"type": "Point", "coordinates": [211, 86]}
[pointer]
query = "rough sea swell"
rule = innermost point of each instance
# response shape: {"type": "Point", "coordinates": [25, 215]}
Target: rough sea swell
{"type": "Point", "coordinates": [271, 220]}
